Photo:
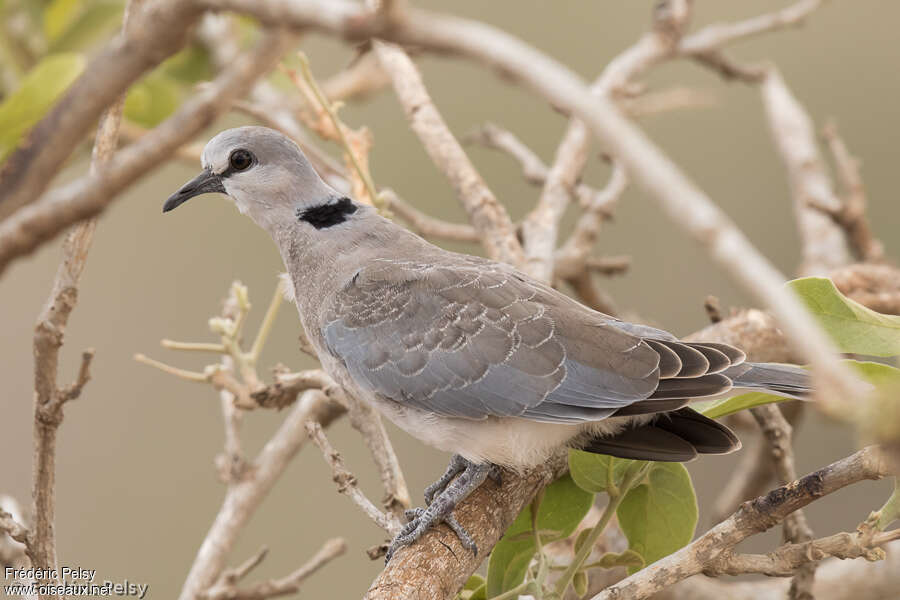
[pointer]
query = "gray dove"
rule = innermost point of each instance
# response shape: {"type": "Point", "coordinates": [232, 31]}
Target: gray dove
{"type": "Point", "coordinates": [467, 354]}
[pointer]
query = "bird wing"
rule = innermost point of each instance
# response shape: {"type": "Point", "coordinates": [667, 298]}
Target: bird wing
{"type": "Point", "coordinates": [474, 339]}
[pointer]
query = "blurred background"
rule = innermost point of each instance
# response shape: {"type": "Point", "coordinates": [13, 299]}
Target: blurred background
{"type": "Point", "coordinates": [136, 487]}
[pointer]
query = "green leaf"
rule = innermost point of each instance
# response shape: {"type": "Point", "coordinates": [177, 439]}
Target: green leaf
{"type": "Point", "coordinates": [595, 472]}
{"type": "Point", "coordinates": [152, 100]}
{"type": "Point", "coordinates": [659, 516]}
{"type": "Point", "coordinates": [855, 328]}
{"type": "Point", "coordinates": [562, 508]}
{"type": "Point", "coordinates": [59, 15]}
{"type": "Point", "coordinates": [37, 93]}
{"type": "Point", "coordinates": [474, 589]}
{"type": "Point", "coordinates": [629, 558]}
{"type": "Point", "coordinates": [96, 21]}
{"type": "Point", "coordinates": [715, 409]}
{"type": "Point", "coordinates": [191, 65]}
{"type": "Point", "coordinates": [580, 583]}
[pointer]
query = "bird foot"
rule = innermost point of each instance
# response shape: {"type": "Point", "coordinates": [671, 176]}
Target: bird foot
{"type": "Point", "coordinates": [443, 497]}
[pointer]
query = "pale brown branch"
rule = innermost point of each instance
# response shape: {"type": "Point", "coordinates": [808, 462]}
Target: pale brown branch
{"type": "Point", "coordinates": [873, 285]}
{"type": "Point", "coordinates": [49, 397]}
{"type": "Point", "coordinates": [89, 195]}
{"type": "Point", "coordinates": [823, 244]}
{"type": "Point", "coordinates": [346, 481]}
{"type": "Point", "coordinates": [283, 586]}
{"type": "Point", "coordinates": [751, 518]}
{"type": "Point", "coordinates": [159, 30]}
{"type": "Point", "coordinates": [778, 433]}
{"type": "Point", "coordinates": [427, 225]}
{"type": "Point", "coordinates": [716, 36]}
{"type": "Point", "coordinates": [243, 497]}
{"type": "Point", "coordinates": [852, 214]}
{"type": "Point", "coordinates": [437, 565]}
{"type": "Point", "coordinates": [574, 255]}
{"type": "Point", "coordinates": [487, 215]}
{"type": "Point", "coordinates": [540, 228]}
{"type": "Point", "coordinates": [786, 560]}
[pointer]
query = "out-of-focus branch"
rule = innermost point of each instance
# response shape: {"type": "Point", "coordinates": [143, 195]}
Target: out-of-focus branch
{"type": "Point", "coordinates": [573, 257]}
{"type": "Point", "coordinates": [852, 214]}
{"type": "Point", "coordinates": [159, 30]}
{"type": "Point", "coordinates": [89, 195]}
{"type": "Point", "coordinates": [778, 433]}
{"type": "Point", "coordinates": [488, 216]}
{"type": "Point", "coordinates": [876, 286]}
{"type": "Point", "coordinates": [533, 168]}
{"type": "Point", "coordinates": [226, 588]}
{"type": "Point", "coordinates": [427, 225]}
{"type": "Point", "coordinates": [540, 228]}
{"type": "Point", "coordinates": [49, 397]}
{"type": "Point", "coordinates": [244, 496]}
{"type": "Point", "coordinates": [835, 580]}
{"type": "Point", "coordinates": [346, 481]}
{"type": "Point", "coordinates": [823, 244]}
{"type": "Point", "coordinates": [751, 518]}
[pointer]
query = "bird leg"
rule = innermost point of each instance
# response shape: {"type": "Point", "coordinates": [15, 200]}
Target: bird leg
{"type": "Point", "coordinates": [440, 509]}
{"type": "Point", "coordinates": [457, 465]}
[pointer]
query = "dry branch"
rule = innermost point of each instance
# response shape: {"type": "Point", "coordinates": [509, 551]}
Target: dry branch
{"type": "Point", "coordinates": [289, 584]}
{"type": "Point", "coordinates": [243, 497]}
{"type": "Point", "coordinates": [751, 518]}
{"type": "Point", "coordinates": [437, 565]}
{"type": "Point", "coordinates": [487, 215]}
{"type": "Point", "coordinates": [823, 244]}
{"type": "Point", "coordinates": [158, 30]}
{"type": "Point", "coordinates": [346, 481]}
{"type": "Point", "coordinates": [86, 197]}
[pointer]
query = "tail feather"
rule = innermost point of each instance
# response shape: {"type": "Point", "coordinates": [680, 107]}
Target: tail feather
{"type": "Point", "coordinates": [676, 436]}
{"type": "Point", "coordinates": [783, 380]}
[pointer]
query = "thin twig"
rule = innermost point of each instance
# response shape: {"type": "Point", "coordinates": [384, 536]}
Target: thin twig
{"type": "Point", "coordinates": [346, 481]}
{"type": "Point", "coordinates": [283, 586]}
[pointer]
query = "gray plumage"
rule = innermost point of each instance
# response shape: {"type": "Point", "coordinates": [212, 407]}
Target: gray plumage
{"type": "Point", "coordinates": [468, 354]}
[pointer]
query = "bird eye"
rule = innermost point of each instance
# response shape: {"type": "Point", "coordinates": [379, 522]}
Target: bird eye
{"type": "Point", "coordinates": [240, 160]}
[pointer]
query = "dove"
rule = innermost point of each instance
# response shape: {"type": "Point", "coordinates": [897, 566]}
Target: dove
{"type": "Point", "coordinates": [470, 355]}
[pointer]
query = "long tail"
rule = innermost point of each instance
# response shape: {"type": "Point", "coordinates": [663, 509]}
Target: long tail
{"type": "Point", "coordinates": [776, 378]}
{"type": "Point", "coordinates": [679, 433]}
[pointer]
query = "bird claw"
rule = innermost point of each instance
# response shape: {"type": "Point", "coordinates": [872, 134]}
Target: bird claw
{"type": "Point", "coordinates": [420, 521]}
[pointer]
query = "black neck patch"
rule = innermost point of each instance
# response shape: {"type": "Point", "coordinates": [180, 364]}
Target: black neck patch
{"type": "Point", "coordinates": [326, 215]}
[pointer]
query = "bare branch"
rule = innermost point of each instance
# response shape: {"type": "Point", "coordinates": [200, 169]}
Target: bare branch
{"type": "Point", "coordinates": [244, 497]}
{"type": "Point", "coordinates": [852, 214]}
{"type": "Point", "coordinates": [427, 225]}
{"type": "Point", "coordinates": [574, 255]}
{"type": "Point", "coordinates": [752, 517]}
{"type": "Point", "coordinates": [437, 565]}
{"type": "Point", "coordinates": [346, 481]}
{"type": "Point", "coordinates": [159, 30]}
{"type": "Point", "coordinates": [86, 197]}
{"type": "Point", "coordinates": [488, 216]}
{"type": "Point", "coordinates": [823, 245]}
{"type": "Point", "coordinates": [875, 286]}
{"type": "Point", "coordinates": [716, 36]}
{"type": "Point", "coordinates": [779, 433]}
{"type": "Point", "coordinates": [284, 586]}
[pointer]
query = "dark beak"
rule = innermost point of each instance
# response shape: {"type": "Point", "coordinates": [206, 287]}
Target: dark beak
{"type": "Point", "coordinates": [204, 183]}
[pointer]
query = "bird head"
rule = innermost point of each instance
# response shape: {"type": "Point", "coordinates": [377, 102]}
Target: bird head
{"type": "Point", "coordinates": [263, 171]}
